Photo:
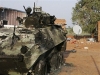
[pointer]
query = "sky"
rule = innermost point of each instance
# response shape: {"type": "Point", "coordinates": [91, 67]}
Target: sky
{"type": "Point", "coordinates": [62, 9]}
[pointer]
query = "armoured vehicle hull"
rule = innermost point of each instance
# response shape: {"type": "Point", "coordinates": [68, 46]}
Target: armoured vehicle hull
{"type": "Point", "coordinates": [35, 51]}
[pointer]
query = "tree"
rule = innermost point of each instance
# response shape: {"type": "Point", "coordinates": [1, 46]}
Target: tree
{"type": "Point", "coordinates": [86, 13]}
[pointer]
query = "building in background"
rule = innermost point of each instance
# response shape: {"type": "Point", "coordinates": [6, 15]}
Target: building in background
{"type": "Point", "coordinates": [98, 31]}
{"type": "Point", "coordinates": [61, 22]}
{"type": "Point", "coordinates": [10, 15]}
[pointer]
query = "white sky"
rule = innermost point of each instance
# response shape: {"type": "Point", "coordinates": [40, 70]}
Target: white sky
{"type": "Point", "coordinates": [60, 8]}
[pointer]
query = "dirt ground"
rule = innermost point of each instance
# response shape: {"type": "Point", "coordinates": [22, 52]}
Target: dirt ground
{"type": "Point", "coordinates": [86, 60]}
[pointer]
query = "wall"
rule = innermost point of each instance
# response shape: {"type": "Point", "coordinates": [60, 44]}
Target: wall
{"type": "Point", "coordinates": [10, 15]}
{"type": "Point", "coordinates": [61, 22]}
{"type": "Point", "coordinates": [98, 31]}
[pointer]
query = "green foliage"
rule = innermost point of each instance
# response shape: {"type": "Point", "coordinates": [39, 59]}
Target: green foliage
{"type": "Point", "coordinates": [70, 30]}
{"type": "Point", "coordinates": [86, 13]}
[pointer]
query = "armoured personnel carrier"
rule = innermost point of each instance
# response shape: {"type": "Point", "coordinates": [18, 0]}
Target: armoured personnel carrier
{"type": "Point", "coordinates": [36, 49]}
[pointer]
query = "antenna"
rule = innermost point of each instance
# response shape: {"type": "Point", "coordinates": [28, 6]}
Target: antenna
{"type": "Point", "coordinates": [36, 2]}
{"type": "Point", "coordinates": [34, 7]}
{"type": "Point", "coordinates": [77, 29]}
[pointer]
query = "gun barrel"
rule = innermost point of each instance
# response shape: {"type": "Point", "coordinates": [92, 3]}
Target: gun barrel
{"type": "Point", "coordinates": [24, 8]}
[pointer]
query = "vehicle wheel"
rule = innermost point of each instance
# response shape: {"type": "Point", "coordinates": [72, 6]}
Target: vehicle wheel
{"type": "Point", "coordinates": [61, 58]}
{"type": "Point", "coordinates": [58, 61]}
{"type": "Point", "coordinates": [53, 62]}
{"type": "Point", "coordinates": [41, 68]}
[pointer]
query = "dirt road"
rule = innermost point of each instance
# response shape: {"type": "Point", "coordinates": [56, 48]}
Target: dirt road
{"type": "Point", "coordinates": [84, 61]}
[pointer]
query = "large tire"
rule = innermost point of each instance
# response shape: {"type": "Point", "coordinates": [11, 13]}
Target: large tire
{"type": "Point", "coordinates": [41, 68]}
{"type": "Point", "coordinates": [53, 62]}
{"type": "Point", "coordinates": [60, 59]}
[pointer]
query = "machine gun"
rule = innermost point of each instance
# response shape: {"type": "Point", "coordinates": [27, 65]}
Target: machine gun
{"type": "Point", "coordinates": [38, 18]}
